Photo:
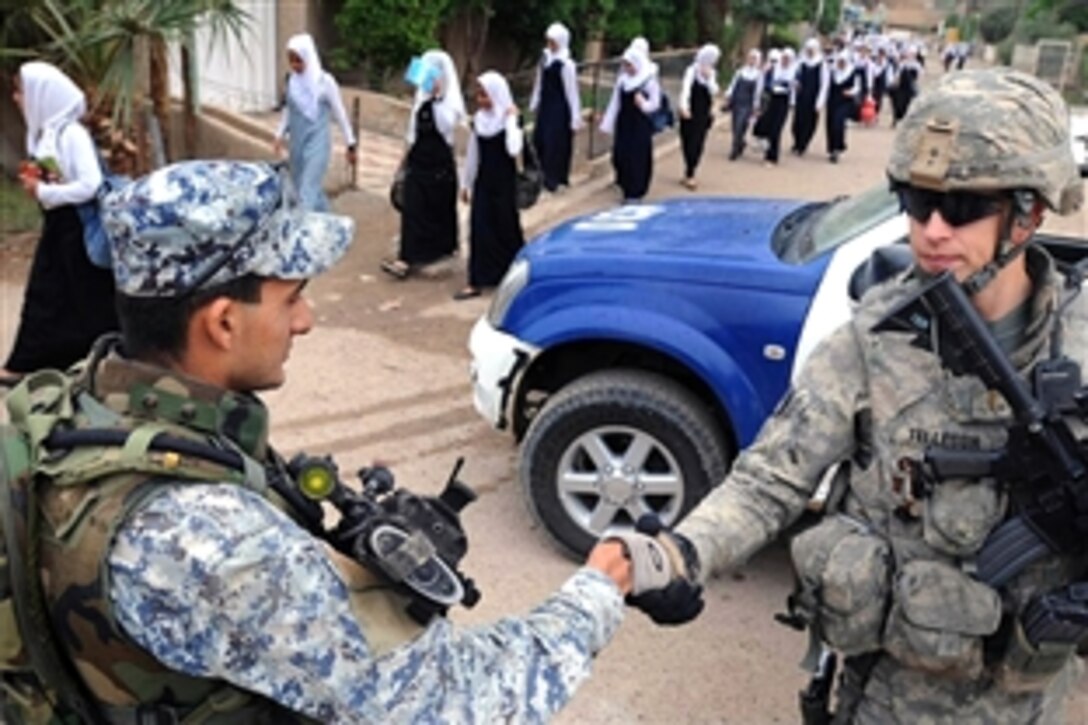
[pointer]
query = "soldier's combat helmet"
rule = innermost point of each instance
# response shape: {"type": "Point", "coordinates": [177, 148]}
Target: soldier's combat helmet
{"type": "Point", "coordinates": [988, 131]}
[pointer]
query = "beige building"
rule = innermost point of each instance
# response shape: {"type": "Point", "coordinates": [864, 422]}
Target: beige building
{"type": "Point", "coordinates": [917, 15]}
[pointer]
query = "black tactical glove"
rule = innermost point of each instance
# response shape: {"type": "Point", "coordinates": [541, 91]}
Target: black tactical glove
{"type": "Point", "coordinates": [664, 571]}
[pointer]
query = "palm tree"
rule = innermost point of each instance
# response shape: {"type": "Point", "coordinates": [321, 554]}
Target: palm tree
{"type": "Point", "coordinates": [118, 51]}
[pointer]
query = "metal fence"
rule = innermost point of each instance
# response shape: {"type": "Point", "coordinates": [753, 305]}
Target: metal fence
{"type": "Point", "coordinates": [595, 83]}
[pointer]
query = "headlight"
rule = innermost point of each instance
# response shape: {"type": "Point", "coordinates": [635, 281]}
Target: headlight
{"type": "Point", "coordinates": [512, 284]}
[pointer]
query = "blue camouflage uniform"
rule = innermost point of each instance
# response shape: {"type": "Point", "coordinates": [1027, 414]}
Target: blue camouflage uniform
{"type": "Point", "coordinates": [215, 581]}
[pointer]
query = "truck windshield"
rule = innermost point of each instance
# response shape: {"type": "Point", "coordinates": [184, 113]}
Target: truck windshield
{"type": "Point", "coordinates": [825, 226]}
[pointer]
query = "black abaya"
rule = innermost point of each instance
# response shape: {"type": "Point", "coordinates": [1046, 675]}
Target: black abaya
{"type": "Point", "coordinates": [805, 114]}
{"type": "Point", "coordinates": [68, 302]}
{"type": "Point", "coordinates": [904, 92]}
{"type": "Point", "coordinates": [840, 108]}
{"type": "Point", "coordinates": [759, 130]}
{"type": "Point", "coordinates": [633, 148]}
{"type": "Point", "coordinates": [496, 234]}
{"type": "Point", "coordinates": [693, 130]}
{"type": "Point", "coordinates": [552, 135]}
{"type": "Point", "coordinates": [428, 222]}
{"type": "Point", "coordinates": [775, 117]}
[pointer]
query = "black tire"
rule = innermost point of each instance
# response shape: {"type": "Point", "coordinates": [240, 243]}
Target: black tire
{"type": "Point", "coordinates": [613, 407]}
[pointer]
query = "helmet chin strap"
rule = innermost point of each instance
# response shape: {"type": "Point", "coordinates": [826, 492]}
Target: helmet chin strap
{"type": "Point", "coordinates": [1021, 216]}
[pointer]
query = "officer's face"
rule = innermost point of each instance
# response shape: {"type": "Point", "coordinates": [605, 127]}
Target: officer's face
{"type": "Point", "coordinates": [938, 246]}
{"type": "Point", "coordinates": [266, 328]}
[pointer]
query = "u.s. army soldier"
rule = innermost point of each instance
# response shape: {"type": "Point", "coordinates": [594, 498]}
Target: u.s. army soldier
{"type": "Point", "coordinates": [889, 577]}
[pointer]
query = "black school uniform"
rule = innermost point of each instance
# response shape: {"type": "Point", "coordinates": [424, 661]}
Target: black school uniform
{"type": "Point", "coordinates": [428, 222]}
{"type": "Point", "coordinates": [496, 234]}
{"type": "Point", "coordinates": [68, 303]}
{"type": "Point", "coordinates": [552, 135]}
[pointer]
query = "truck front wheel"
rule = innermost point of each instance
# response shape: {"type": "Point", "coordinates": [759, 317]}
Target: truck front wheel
{"type": "Point", "coordinates": [614, 445]}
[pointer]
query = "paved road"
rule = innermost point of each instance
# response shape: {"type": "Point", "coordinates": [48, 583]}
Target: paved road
{"type": "Point", "coordinates": [385, 376]}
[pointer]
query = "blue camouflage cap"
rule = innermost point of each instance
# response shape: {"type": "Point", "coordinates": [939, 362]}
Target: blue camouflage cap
{"type": "Point", "coordinates": [200, 223]}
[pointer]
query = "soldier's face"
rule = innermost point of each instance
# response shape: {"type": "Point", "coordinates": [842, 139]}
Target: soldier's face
{"type": "Point", "coordinates": [266, 329]}
{"type": "Point", "coordinates": [939, 246]}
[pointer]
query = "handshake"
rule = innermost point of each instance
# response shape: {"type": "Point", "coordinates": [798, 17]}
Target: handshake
{"type": "Point", "coordinates": [661, 568]}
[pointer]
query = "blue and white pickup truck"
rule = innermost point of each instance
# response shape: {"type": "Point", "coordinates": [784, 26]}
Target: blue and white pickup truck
{"type": "Point", "coordinates": [635, 351]}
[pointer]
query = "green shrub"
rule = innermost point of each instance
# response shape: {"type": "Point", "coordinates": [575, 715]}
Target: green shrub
{"type": "Point", "coordinates": [997, 24]}
{"type": "Point", "coordinates": [1032, 28]}
{"type": "Point", "coordinates": [778, 37]}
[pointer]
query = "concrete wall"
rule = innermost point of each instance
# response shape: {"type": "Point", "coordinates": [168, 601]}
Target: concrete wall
{"type": "Point", "coordinates": [240, 75]}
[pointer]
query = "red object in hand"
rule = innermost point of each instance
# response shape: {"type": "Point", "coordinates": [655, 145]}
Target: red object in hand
{"type": "Point", "coordinates": [30, 168]}
{"type": "Point", "coordinates": [868, 111]}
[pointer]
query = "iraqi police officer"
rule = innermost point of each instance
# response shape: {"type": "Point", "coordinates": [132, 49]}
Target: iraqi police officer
{"type": "Point", "coordinates": [890, 576]}
{"type": "Point", "coordinates": [184, 589]}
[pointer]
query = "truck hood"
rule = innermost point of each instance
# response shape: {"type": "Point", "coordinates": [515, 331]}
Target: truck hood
{"type": "Point", "coordinates": [713, 240]}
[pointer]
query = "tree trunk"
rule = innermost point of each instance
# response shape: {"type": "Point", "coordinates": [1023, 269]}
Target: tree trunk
{"type": "Point", "coordinates": [712, 19]}
{"type": "Point", "coordinates": [465, 39]}
{"type": "Point", "coordinates": [188, 101]}
{"type": "Point", "coordinates": [141, 64]}
{"type": "Point", "coordinates": [160, 89]}
{"type": "Point", "coordinates": [753, 35]}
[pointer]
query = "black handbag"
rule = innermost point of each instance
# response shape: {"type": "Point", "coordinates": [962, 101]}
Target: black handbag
{"type": "Point", "coordinates": [396, 189]}
{"type": "Point", "coordinates": [530, 179]}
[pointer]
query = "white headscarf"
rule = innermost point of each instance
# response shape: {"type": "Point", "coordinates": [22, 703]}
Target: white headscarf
{"type": "Point", "coordinates": [50, 101]}
{"type": "Point", "coordinates": [840, 75]}
{"type": "Point", "coordinates": [708, 56]}
{"type": "Point", "coordinates": [451, 90]}
{"type": "Point", "coordinates": [786, 68]}
{"type": "Point", "coordinates": [642, 45]}
{"type": "Point", "coordinates": [817, 57]}
{"type": "Point", "coordinates": [704, 69]}
{"type": "Point", "coordinates": [773, 56]}
{"type": "Point", "coordinates": [644, 69]}
{"type": "Point", "coordinates": [489, 122]}
{"type": "Point", "coordinates": [305, 88]}
{"type": "Point", "coordinates": [558, 33]}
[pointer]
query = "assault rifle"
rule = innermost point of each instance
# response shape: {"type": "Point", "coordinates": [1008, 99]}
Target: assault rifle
{"type": "Point", "coordinates": [1044, 465]}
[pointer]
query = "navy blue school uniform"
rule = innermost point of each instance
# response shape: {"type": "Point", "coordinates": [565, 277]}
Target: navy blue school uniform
{"type": "Point", "coordinates": [693, 130]}
{"type": "Point", "coordinates": [633, 148]}
{"type": "Point", "coordinates": [496, 234]}
{"type": "Point", "coordinates": [552, 136]}
{"type": "Point", "coordinates": [840, 108]}
{"type": "Point", "coordinates": [806, 115]}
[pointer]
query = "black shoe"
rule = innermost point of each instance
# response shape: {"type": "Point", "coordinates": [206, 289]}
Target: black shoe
{"type": "Point", "coordinates": [834, 158]}
{"type": "Point", "coordinates": [466, 294]}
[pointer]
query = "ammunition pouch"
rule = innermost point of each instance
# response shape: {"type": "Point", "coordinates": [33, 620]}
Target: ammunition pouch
{"type": "Point", "coordinates": [843, 570]}
{"type": "Point", "coordinates": [959, 515]}
{"type": "Point", "coordinates": [938, 619]}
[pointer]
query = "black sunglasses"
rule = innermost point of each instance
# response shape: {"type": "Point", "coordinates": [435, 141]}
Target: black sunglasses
{"type": "Point", "coordinates": [956, 207]}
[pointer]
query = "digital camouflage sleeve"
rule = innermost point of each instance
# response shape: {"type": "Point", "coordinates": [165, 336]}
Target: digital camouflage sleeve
{"type": "Point", "coordinates": [772, 480]}
{"type": "Point", "coordinates": [215, 582]}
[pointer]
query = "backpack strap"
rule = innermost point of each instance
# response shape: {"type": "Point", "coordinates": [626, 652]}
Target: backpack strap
{"type": "Point", "coordinates": [27, 599]}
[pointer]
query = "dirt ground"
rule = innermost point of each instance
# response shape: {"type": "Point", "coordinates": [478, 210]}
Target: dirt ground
{"type": "Point", "coordinates": [385, 376]}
